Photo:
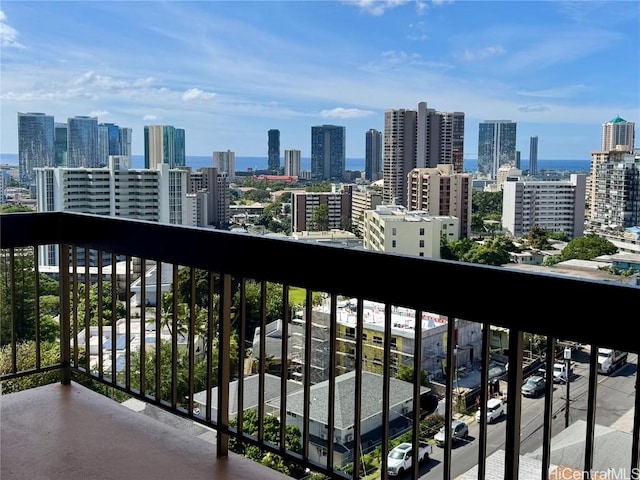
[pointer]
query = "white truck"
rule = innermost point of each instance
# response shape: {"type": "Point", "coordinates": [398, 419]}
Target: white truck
{"type": "Point", "coordinates": [400, 459]}
{"type": "Point", "coordinates": [610, 360]}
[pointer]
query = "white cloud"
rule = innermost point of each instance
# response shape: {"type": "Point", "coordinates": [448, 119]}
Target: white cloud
{"type": "Point", "coordinates": [150, 118]}
{"type": "Point", "coordinates": [377, 7]}
{"type": "Point", "coordinates": [345, 113]}
{"type": "Point", "coordinates": [534, 108]}
{"type": "Point", "coordinates": [93, 79]}
{"type": "Point", "coordinates": [8, 34]}
{"type": "Point", "coordinates": [99, 113]}
{"type": "Point", "coordinates": [482, 53]}
{"type": "Point", "coordinates": [417, 31]}
{"type": "Point", "coordinates": [558, 92]}
{"type": "Point", "coordinates": [197, 94]}
{"type": "Point", "coordinates": [144, 82]}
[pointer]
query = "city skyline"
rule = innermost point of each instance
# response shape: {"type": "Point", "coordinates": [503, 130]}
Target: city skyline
{"type": "Point", "coordinates": [228, 72]}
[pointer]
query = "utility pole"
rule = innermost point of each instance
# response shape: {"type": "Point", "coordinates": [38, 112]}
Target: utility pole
{"type": "Point", "coordinates": [567, 360]}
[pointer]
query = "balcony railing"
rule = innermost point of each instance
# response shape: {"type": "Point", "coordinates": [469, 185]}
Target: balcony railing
{"type": "Point", "coordinates": [205, 324]}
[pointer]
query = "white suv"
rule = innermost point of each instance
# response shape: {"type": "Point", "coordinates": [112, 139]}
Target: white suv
{"type": "Point", "coordinates": [495, 409]}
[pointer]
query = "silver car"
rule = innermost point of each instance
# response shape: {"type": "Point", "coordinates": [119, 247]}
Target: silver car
{"type": "Point", "coordinates": [459, 431]}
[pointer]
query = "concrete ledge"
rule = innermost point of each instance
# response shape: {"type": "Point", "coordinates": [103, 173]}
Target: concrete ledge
{"type": "Point", "coordinates": [68, 431]}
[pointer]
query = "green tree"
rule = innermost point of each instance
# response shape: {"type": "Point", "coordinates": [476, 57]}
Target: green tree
{"type": "Point", "coordinates": [538, 238]}
{"type": "Point", "coordinates": [14, 208]}
{"type": "Point", "coordinates": [271, 425]}
{"type": "Point", "coordinates": [588, 248]}
{"type": "Point", "coordinates": [201, 279]}
{"type": "Point", "coordinates": [26, 359]}
{"type": "Point", "coordinates": [486, 203]}
{"type": "Point", "coordinates": [405, 373]}
{"type": "Point", "coordinates": [200, 373]}
{"type": "Point", "coordinates": [286, 197]}
{"type": "Point", "coordinates": [105, 302]}
{"type": "Point", "coordinates": [319, 219]}
{"type": "Point", "coordinates": [21, 281]}
{"type": "Point", "coordinates": [274, 305]}
{"type": "Point", "coordinates": [319, 187]}
{"type": "Point", "coordinates": [487, 255]}
{"type": "Point", "coordinates": [257, 195]}
{"type": "Point", "coordinates": [457, 249]}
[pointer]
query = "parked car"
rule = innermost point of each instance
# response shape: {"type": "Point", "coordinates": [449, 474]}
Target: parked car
{"type": "Point", "coordinates": [459, 431]}
{"type": "Point", "coordinates": [400, 459]}
{"type": "Point", "coordinates": [495, 410]}
{"type": "Point", "coordinates": [534, 386]}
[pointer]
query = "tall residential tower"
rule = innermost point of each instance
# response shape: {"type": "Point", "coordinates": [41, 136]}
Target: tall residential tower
{"type": "Point", "coordinates": [274, 150]}
{"type": "Point", "coordinates": [422, 138]}
{"type": "Point", "coordinates": [533, 156]}
{"type": "Point", "coordinates": [328, 150]}
{"type": "Point", "coordinates": [496, 146]}
{"type": "Point", "coordinates": [164, 144]}
{"type": "Point", "coordinates": [373, 155]}
{"type": "Point", "coordinates": [35, 144]}
{"type": "Point", "coordinates": [618, 134]}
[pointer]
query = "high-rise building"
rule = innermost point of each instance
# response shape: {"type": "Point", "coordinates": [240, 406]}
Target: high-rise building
{"type": "Point", "coordinates": [616, 206]}
{"type": "Point", "coordinates": [533, 156]}
{"type": "Point", "coordinates": [618, 134]}
{"type": "Point", "coordinates": [441, 191]}
{"type": "Point", "coordinates": [155, 195]}
{"type": "Point", "coordinates": [598, 158]}
{"type": "Point", "coordinates": [274, 150]}
{"type": "Point", "coordinates": [36, 140]}
{"type": "Point", "coordinates": [556, 206]}
{"type": "Point", "coordinates": [373, 155]}
{"type": "Point", "coordinates": [496, 146]}
{"type": "Point", "coordinates": [164, 144]}
{"type": "Point", "coordinates": [61, 145]}
{"type": "Point", "coordinates": [211, 188]}
{"type": "Point", "coordinates": [400, 127]}
{"type": "Point", "coordinates": [83, 143]}
{"type": "Point", "coordinates": [328, 151]}
{"type": "Point", "coordinates": [452, 140]}
{"type": "Point", "coordinates": [225, 162]}
{"type": "Point", "coordinates": [125, 142]}
{"type": "Point", "coordinates": [292, 163]}
{"type": "Point", "coordinates": [422, 138]}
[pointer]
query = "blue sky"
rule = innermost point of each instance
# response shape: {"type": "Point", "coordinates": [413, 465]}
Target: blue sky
{"type": "Point", "coordinates": [228, 71]}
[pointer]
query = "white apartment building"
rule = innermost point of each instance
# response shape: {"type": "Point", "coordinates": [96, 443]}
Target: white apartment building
{"type": "Point", "coordinates": [557, 206]}
{"type": "Point", "coordinates": [292, 162]}
{"type": "Point", "coordinates": [440, 191]}
{"type": "Point", "coordinates": [115, 191]}
{"type": "Point", "coordinates": [617, 195]}
{"type": "Point", "coordinates": [361, 200]}
{"type": "Point", "coordinates": [395, 229]}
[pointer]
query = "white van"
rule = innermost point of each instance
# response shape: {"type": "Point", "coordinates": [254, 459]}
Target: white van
{"type": "Point", "coordinates": [495, 409]}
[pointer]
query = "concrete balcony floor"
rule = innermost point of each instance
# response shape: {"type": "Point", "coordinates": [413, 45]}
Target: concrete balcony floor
{"type": "Point", "coordinates": [68, 431]}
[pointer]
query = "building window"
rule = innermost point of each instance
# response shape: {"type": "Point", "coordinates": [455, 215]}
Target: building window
{"type": "Point", "coordinates": [377, 340]}
{"type": "Point", "coordinates": [422, 231]}
{"type": "Point", "coordinates": [421, 243]}
{"type": "Point", "coordinates": [393, 244]}
{"type": "Point", "coordinates": [393, 231]}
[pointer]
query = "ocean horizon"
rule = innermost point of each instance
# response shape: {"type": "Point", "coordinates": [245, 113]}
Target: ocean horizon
{"type": "Point", "coordinates": [244, 164]}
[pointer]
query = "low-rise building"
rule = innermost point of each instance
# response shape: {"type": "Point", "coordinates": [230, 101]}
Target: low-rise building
{"type": "Point", "coordinates": [393, 228]}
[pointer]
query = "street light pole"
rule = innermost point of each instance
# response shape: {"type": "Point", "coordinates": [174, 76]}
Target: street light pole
{"type": "Point", "coordinates": [567, 360]}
